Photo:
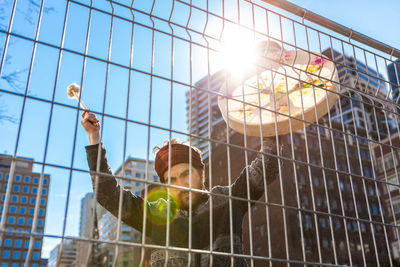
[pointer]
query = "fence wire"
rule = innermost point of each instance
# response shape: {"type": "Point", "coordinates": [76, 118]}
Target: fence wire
{"type": "Point", "coordinates": [153, 71]}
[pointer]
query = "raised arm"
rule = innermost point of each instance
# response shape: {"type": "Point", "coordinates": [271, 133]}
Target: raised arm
{"type": "Point", "coordinates": [256, 174]}
{"type": "Point", "coordinates": [108, 190]}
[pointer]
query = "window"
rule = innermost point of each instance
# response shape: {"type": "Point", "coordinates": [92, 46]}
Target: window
{"type": "Point", "coordinates": [375, 210]}
{"type": "Point", "coordinates": [45, 181]}
{"type": "Point", "coordinates": [25, 189]}
{"type": "Point", "coordinates": [35, 180]}
{"type": "Point", "coordinates": [334, 204]}
{"type": "Point", "coordinates": [16, 188]}
{"type": "Point", "coordinates": [27, 179]}
{"type": "Point", "coordinates": [36, 256]}
{"type": "Point", "coordinates": [17, 243]}
{"type": "Point", "coordinates": [34, 190]}
{"type": "Point", "coordinates": [31, 211]}
{"type": "Point", "coordinates": [355, 187]}
{"type": "Point", "coordinates": [42, 202]}
{"type": "Point", "coordinates": [44, 191]}
{"type": "Point", "coordinates": [308, 222]}
{"type": "Point", "coordinates": [137, 175]}
{"type": "Point", "coordinates": [371, 190]}
{"type": "Point", "coordinates": [319, 201]}
{"type": "Point", "coordinates": [341, 185]}
{"type": "Point", "coordinates": [302, 179]}
{"type": "Point", "coordinates": [33, 200]}
{"type": "Point", "coordinates": [13, 209]}
{"type": "Point", "coordinates": [40, 223]}
{"type": "Point", "coordinates": [26, 244]}
{"type": "Point", "coordinates": [330, 184]}
{"type": "Point", "coordinates": [30, 222]}
{"type": "Point", "coordinates": [7, 243]}
{"type": "Point", "coordinates": [21, 221]}
{"type": "Point", "coordinates": [11, 220]}
{"type": "Point", "coordinates": [22, 210]}
{"type": "Point", "coordinates": [16, 255]}
{"type": "Point", "coordinates": [41, 212]}
{"type": "Point", "coordinates": [362, 226]}
{"type": "Point", "coordinates": [323, 222]}
{"type": "Point", "coordinates": [367, 172]}
{"type": "Point", "coordinates": [1, 175]}
{"type": "Point", "coordinates": [37, 244]}
{"type": "Point", "coordinates": [14, 199]}
{"type": "Point", "coordinates": [305, 199]}
{"type": "Point", "coordinates": [155, 177]}
{"type": "Point", "coordinates": [393, 180]}
{"type": "Point", "coordinates": [18, 178]}
{"type": "Point", "coordinates": [24, 200]}
{"type": "Point", "coordinates": [363, 155]}
{"type": "Point", "coordinates": [6, 254]}
{"type": "Point", "coordinates": [388, 161]}
{"type": "Point", "coordinates": [137, 184]}
{"type": "Point", "coordinates": [125, 237]}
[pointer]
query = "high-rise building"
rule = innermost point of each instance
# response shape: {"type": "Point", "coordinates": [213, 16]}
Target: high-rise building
{"type": "Point", "coordinates": [387, 159]}
{"type": "Point", "coordinates": [136, 168]}
{"type": "Point", "coordinates": [358, 83]}
{"type": "Point", "coordinates": [394, 79]}
{"type": "Point", "coordinates": [67, 257]}
{"type": "Point", "coordinates": [334, 178]}
{"type": "Point", "coordinates": [202, 110]}
{"type": "Point", "coordinates": [87, 226]}
{"type": "Point", "coordinates": [21, 210]}
{"type": "Point", "coordinates": [135, 171]}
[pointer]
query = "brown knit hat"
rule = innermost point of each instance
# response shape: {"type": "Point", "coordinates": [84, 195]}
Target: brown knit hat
{"type": "Point", "coordinates": [179, 154]}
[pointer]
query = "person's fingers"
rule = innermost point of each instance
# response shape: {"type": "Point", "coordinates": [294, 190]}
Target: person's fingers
{"type": "Point", "coordinates": [92, 118]}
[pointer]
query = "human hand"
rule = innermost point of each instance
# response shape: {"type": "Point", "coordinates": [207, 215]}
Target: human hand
{"type": "Point", "coordinates": [92, 127]}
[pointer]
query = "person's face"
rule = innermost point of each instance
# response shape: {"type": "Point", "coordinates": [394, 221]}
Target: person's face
{"type": "Point", "coordinates": [180, 176]}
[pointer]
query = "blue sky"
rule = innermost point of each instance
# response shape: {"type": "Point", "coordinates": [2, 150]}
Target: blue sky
{"type": "Point", "coordinates": [376, 19]}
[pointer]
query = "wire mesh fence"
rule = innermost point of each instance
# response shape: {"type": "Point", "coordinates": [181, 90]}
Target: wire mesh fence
{"type": "Point", "coordinates": [297, 123]}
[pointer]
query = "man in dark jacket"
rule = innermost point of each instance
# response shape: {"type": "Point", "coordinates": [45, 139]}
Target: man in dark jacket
{"type": "Point", "coordinates": [180, 167]}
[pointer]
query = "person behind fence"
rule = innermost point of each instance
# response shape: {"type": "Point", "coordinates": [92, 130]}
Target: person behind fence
{"type": "Point", "coordinates": [226, 220]}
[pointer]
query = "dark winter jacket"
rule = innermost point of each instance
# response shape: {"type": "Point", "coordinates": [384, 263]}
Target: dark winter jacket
{"type": "Point", "coordinates": [222, 215]}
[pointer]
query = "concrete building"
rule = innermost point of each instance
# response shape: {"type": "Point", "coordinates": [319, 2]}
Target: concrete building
{"type": "Point", "coordinates": [358, 82]}
{"type": "Point", "coordinates": [134, 171]}
{"type": "Point", "coordinates": [305, 186]}
{"type": "Point", "coordinates": [87, 229]}
{"type": "Point", "coordinates": [21, 209]}
{"type": "Point", "coordinates": [394, 79]}
{"type": "Point", "coordinates": [387, 159]}
{"type": "Point", "coordinates": [67, 257]}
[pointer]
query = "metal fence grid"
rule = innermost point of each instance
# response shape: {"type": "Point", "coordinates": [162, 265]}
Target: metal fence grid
{"type": "Point", "coordinates": [150, 72]}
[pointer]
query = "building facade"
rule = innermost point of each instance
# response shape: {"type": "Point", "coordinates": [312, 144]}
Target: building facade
{"type": "Point", "coordinates": [134, 171]}
{"type": "Point", "coordinates": [387, 158]}
{"type": "Point", "coordinates": [87, 229]}
{"type": "Point", "coordinates": [358, 83]}
{"type": "Point", "coordinates": [320, 207]}
{"type": "Point", "coordinates": [67, 257]}
{"type": "Point", "coordinates": [21, 209]}
{"type": "Point", "coordinates": [394, 78]}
